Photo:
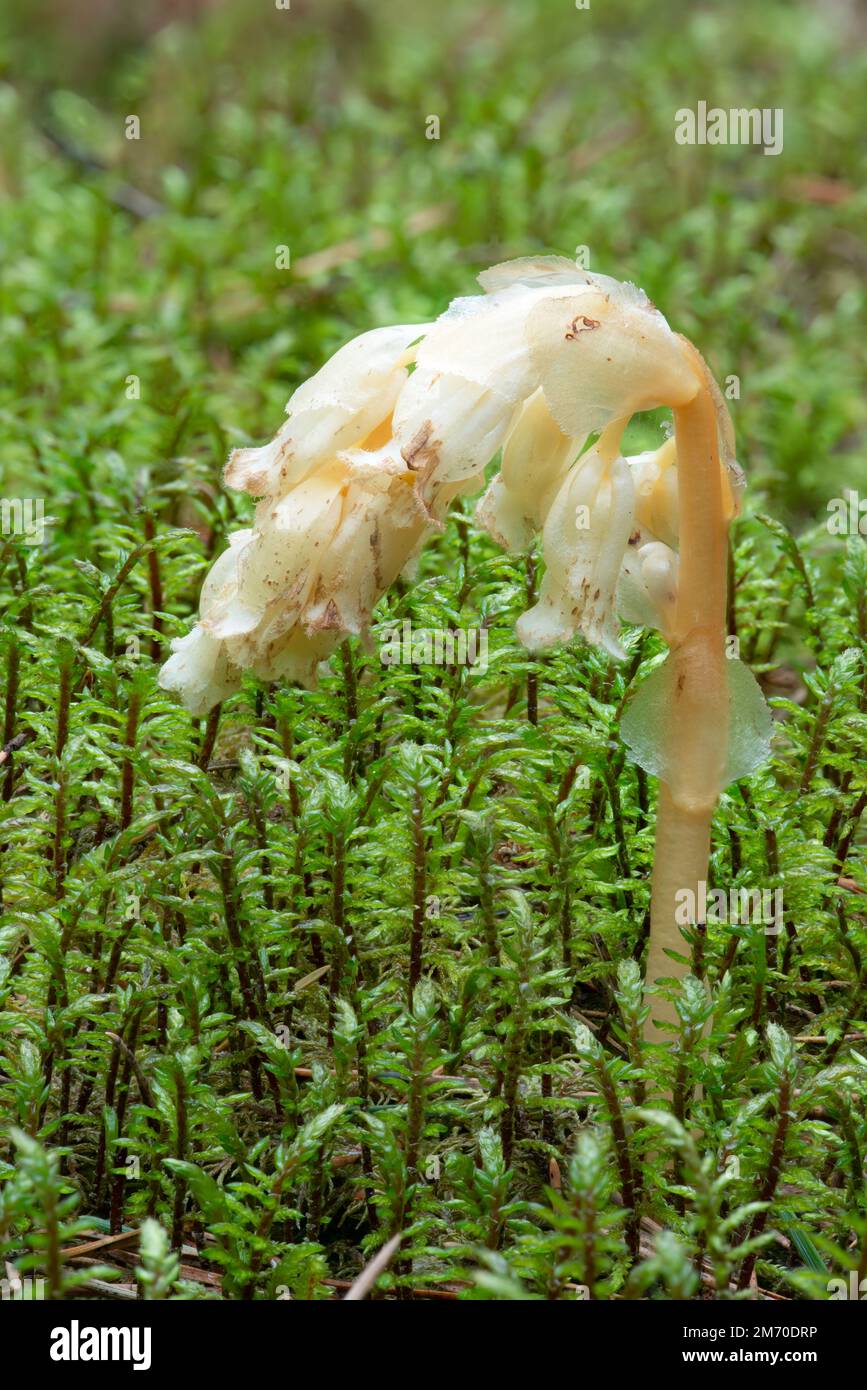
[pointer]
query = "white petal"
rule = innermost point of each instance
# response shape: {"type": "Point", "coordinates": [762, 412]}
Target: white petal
{"type": "Point", "coordinates": [602, 356]}
{"type": "Point", "coordinates": [483, 339]}
{"type": "Point", "coordinates": [338, 408]}
{"type": "Point", "coordinates": [659, 567]}
{"type": "Point", "coordinates": [531, 270]}
{"type": "Point", "coordinates": [500, 514]}
{"type": "Point", "coordinates": [294, 657]}
{"type": "Point", "coordinates": [448, 428]}
{"type": "Point", "coordinates": [199, 670]}
{"type": "Point", "coordinates": [584, 540]}
{"type": "Point", "coordinates": [281, 558]}
{"type": "Point", "coordinates": [222, 578]}
{"type": "Point", "coordinates": [647, 587]}
{"type": "Point", "coordinates": [556, 272]}
{"type": "Point", "coordinates": [259, 471]}
{"type": "Point", "coordinates": [536, 457]}
{"type": "Point", "coordinates": [358, 370]}
{"type": "Point", "coordinates": [364, 558]}
{"type": "Point", "coordinates": [375, 467]}
{"type": "Point", "coordinates": [655, 474]}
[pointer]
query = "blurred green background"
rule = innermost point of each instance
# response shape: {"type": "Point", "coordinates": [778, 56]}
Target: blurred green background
{"type": "Point", "coordinates": [306, 128]}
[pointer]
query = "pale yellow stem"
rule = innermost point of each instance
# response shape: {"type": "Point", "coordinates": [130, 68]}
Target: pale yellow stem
{"type": "Point", "coordinates": [680, 861]}
{"type": "Point", "coordinates": [698, 724]}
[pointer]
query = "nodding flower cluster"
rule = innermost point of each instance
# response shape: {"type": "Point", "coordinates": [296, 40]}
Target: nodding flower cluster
{"type": "Point", "coordinates": [402, 420]}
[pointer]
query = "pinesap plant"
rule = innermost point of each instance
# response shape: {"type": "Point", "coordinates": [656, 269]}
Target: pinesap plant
{"type": "Point", "coordinates": [548, 366]}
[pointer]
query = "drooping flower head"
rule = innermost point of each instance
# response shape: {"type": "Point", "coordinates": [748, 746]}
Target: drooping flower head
{"type": "Point", "coordinates": [402, 420]}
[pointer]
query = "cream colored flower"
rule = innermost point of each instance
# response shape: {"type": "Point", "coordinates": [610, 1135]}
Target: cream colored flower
{"type": "Point", "coordinates": [199, 670]}
{"type": "Point", "coordinates": [536, 455]}
{"type": "Point", "coordinates": [448, 428]}
{"type": "Point", "coordinates": [655, 475]}
{"type": "Point", "coordinates": [606, 548]}
{"type": "Point", "coordinates": [647, 585]}
{"type": "Point", "coordinates": [586, 533]}
{"type": "Point", "coordinates": [310, 570]}
{"type": "Point", "coordinates": [402, 420]}
{"type": "Point", "coordinates": [346, 404]}
{"type": "Point", "coordinates": [338, 520]}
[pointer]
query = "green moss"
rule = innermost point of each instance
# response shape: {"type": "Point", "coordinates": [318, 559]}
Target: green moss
{"type": "Point", "coordinates": [206, 1012]}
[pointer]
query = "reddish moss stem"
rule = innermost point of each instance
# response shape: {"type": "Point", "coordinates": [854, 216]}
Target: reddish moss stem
{"type": "Point", "coordinates": [127, 776]}
{"type": "Point", "coordinates": [419, 879]}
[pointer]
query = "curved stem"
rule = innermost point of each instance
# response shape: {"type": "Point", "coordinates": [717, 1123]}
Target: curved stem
{"type": "Point", "coordinates": [698, 720]}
